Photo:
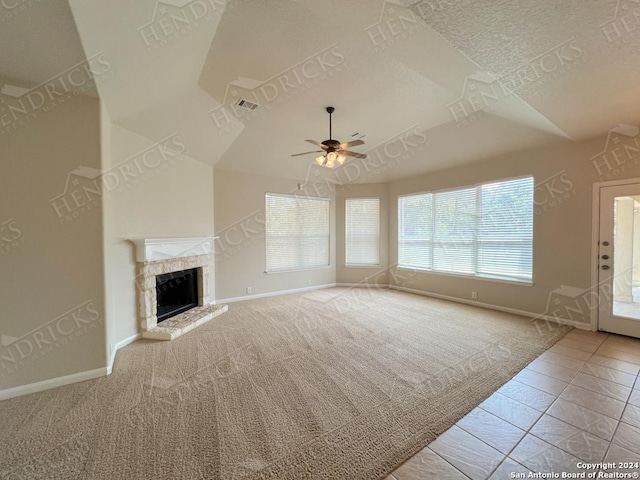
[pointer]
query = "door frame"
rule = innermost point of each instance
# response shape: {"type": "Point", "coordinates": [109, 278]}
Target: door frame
{"type": "Point", "coordinates": [595, 235]}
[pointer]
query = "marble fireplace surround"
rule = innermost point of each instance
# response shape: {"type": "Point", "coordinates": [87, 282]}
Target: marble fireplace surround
{"type": "Point", "coordinates": [157, 256]}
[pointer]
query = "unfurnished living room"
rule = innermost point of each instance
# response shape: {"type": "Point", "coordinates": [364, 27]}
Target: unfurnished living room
{"type": "Point", "coordinates": [301, 239]}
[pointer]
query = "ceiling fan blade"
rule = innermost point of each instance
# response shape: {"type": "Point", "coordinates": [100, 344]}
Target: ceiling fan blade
{"type": "Point", "coordinates": [317, 144]}
{"type": "Point", "coordinates": [307, 153]}
{"type": "Point", "coordinates": [353, 143]}
{"type": "Point", "coordinates": [352, 154]}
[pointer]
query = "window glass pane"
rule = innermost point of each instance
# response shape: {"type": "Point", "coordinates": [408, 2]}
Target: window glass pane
{"type": "Point", "coordinates": [297, 232]}
{"type": "Point", "coordinates": [455, 231]}
{"type": "Point", "coordinates": [415, 231]}
{"type": "Point", "coordinates": [362, 227]}
{"type": "Point", "coordinates": [505, 233]}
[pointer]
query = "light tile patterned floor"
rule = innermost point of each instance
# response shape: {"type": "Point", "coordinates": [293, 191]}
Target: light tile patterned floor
{"type": "Point", "coordinates": [577, 402]}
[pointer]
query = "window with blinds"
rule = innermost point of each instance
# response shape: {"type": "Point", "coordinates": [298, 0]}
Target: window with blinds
{"type": "Point", "coordinates": [362, 231]}
{"type": "Point", "coordinates": [297, 232]}
{"type": "Point", "coordinates": [484, 231]}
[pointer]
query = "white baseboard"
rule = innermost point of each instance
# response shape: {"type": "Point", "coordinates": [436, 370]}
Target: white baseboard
{"type": "Point", "coordinates": [118, 346]}
{"type": "Point", "coordinates": [272, 294]}
{"type": "Point", "coordinates": [363, 285]}
{"type": "Point", "coordinates": [67, 379]}
{"type": "Point", "coordinates": [52, 383]}
{"type": "Point", "coordinates": [489, 306]}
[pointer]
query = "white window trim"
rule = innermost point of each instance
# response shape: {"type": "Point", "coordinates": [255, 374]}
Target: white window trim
{"type": "Point", "coordinates": [294, 270]}
{"type": "Point", "coordinates": [293, 195]}
{"type": "Point", "coordinates": [523, 283]}
{"type": "Point", "coordinates": [471, 185]}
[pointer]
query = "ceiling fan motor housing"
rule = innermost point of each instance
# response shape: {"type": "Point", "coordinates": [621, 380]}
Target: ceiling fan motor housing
{"type": "Point", "coordinates": [332, 145]}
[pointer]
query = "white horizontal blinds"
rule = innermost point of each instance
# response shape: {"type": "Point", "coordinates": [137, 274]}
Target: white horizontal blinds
{"type": "Point", "coordinates": [454, 246]}
{"type": "Point", "coordinates": [486, 230]}
{"type": "Point", "coordinates": [415, 231]}
{"type": "Point", "coordinates": [362, 225]}
{"type": "Point", "coordinates": [505, 231]}
{"type": "Point", "coordinates": [297, 232]}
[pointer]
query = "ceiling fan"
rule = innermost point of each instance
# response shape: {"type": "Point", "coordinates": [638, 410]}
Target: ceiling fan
{"type": "Point", "coordinates": [332, 150]}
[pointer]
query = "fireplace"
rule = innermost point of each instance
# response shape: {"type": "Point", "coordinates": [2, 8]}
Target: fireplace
{"type": "Point", "coordinates": [173, 282]}
{"type": "Point", "coordinates": [176, 292]}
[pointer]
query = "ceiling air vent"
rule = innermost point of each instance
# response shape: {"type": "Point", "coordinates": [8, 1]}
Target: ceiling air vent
{"type": "Point", "coordinates": [14, 91]}
{"type": "Point", "coordinates": [246, 104]}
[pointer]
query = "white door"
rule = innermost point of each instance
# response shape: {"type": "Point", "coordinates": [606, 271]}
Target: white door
{"type": "Point", "coordinates": [619, 260]}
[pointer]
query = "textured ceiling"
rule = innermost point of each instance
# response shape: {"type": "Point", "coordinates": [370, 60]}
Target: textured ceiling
{"type": "Point", "coordinates": [575, 61]}
{"type": "Point", "coordinates": [469, 79]}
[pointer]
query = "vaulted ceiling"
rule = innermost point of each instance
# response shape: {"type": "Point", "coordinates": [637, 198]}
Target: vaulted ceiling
{"type": "Point", "coordinates": [427, 85]}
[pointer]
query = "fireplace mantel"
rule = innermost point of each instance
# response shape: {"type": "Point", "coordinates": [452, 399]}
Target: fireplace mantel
{"type": "Point", "coordinates": [154, 249]}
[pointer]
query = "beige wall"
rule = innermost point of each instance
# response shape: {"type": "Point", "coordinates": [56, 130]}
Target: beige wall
{"type": "Point", "coordinates": [50, 265]}
{"type": "Point", "coordinates": [564, 177]}
{"type": "Point", "coordinates": [240, 250]}
{"type": "Point", "coordinates": [374, 275]}
{"type": "Point", "coordinates": [162, 196]}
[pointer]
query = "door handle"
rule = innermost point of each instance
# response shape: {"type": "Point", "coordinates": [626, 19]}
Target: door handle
{"type": "Point", "coordinates": [605, 267]}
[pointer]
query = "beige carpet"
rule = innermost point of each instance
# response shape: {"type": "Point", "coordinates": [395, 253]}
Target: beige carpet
{"type": "Point", "coordinates": [331, 384]}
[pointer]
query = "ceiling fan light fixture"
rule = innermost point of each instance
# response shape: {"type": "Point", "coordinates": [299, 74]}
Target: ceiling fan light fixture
{"type": "Point", "coordinates": [334, 153]}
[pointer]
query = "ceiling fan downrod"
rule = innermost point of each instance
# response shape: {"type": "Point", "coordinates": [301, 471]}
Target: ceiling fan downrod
{"type": "Point", "coordinates": [330, 110]}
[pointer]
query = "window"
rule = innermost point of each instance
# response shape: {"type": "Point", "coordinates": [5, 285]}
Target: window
{"type": "Point", "coordinates": [484, 231]}
{"type": "Point", "coordinates": [297, 232]}
{"type": "Point", "coordinates": [362, 225]}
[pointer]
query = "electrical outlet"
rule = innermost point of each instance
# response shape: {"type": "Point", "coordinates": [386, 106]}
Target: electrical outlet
{"type": "Point", "coordinates": [474, 295]}
{"type": "Point", "coordinates": [248, 289]}
{"type": "Point", "coordinates": [308, 282]}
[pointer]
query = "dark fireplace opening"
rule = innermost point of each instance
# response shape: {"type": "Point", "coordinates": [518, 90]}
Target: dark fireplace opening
{"type": "Point", "coordinates": [176, 292]}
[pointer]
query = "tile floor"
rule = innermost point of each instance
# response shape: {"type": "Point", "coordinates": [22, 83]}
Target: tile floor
{"type": "Point", "coordinates": [578, 402]}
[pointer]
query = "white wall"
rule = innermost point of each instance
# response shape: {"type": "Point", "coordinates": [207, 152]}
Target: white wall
{"type": "Point", "coordinates": [50, 265]}
{"type": "Point", "coordinates": [168, 195]}
{"type": "Point", "coordinates": [240, 251]}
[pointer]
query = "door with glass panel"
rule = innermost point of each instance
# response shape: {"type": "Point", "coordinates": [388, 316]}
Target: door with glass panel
{"type": "Point", "coordinates": [619, 260]}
